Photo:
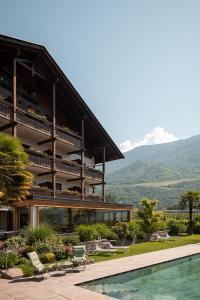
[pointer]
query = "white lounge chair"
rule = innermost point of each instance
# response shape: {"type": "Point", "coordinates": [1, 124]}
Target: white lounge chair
{"type": "Point", "coordinates": [36, 263]}
{"type": "Point", "coordinates": [96, 249]}
{"type": "Point", "coordinates": [109, 245]}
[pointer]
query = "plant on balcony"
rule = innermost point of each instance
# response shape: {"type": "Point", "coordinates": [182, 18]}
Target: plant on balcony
{"type": "Point", "coordinates": [69, 130]}
{"type": "Point", "coordinates": [94, 196]}
{"type": "Point", "coordinates": [3, 97]}
{"type": "Point", "coordinates": [71, 192]}
{"type": "Point", "coordinates": [14, 180]}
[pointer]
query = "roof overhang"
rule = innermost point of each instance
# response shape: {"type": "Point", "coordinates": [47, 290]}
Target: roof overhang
{"type": "Point", "coordinates": [73, 204]}
{"type": "Point", "coordinates": [97, 132]}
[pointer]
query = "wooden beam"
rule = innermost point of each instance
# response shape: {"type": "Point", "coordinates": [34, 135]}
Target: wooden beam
{"type": "Point", "coordinates": [46, 141]}
{"type": "Point", "coordinates": [103, 170]}
{"type": "Point", "coordinates": [83, 160]}
{"type": "Point", "coordinates": [14, 96]}
{"type": "Point", "coordinates": [99, 183]}
{"type": "Point", "coordinates": [7, 126]}
{"type": "Point", "coordinates": [76, 151]}
{"type": "Point", "coordinates": [46, 173]}
{"type": "Point", "coordinates": [54, 140]}
{"type": "Point", "coordinates": [75, 179]}
{"type": "Point", "coordinates": [23, 63]}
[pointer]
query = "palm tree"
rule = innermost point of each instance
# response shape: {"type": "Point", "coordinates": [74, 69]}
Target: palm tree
{"type": "Point", "coordinates": [14, 179]}
{"type": "Point", "coordinates": [190, 199]}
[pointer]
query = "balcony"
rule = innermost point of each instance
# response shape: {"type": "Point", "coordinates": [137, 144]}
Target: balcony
{"type": "Point", "coordinates": [33, 121]}
{"type": "Point", "coordinates": [68, 136]}
{"type": "Point", "coordinates": [5, 110]}
{"type": "Point", "coordinates": [37, 193]}
{"type": "Point", "coordinates": [94, 174]}
{"type": "Point", "coordinates": [67, 166]}
{"type": "Point", "coordinates": [39, 159]}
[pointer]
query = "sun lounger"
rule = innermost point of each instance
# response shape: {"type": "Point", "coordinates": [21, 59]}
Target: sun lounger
{"type": "Point", "coordinates": [109, 245]}
{"type": "Point", "coordinates": [40, 268]}
{"type": "Point", "coordinates": [79, 256]}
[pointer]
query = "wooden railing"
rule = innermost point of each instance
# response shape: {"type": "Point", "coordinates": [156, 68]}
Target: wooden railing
{"type": "Point", "coordinates": [39, 159]}
{"type": "Point", "coordinates": [68, 167]}
{"type": "Point", "coordinates": [37, 193]}
{"type": "Point", "coordinates": [68, 136]}
{"type": "Point", "coordinates": [5, 110]}
{"type": "Point", "coordinates": [92, 173]}
{"type": "Point", "coordinates": [33, 121]}
{"type": "Point", "coordinates": [37, 122]}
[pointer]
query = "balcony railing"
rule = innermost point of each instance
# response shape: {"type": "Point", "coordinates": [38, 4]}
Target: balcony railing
{"type": "Point", "coordinates": [33, 121]}
{"type": "Point", "coordinates": [39, 159]}
{"type": "Point", "coordinates": [68, 136]}
{"type": "Point", "coordinates": [93, 198]}
{"type": "Point", "coordinates": [68, 167]}
{"type": "Point", "coordinates": [5, 110]}
{"type": "Point", "coordinates": [95, 174]}
{"type": "Point", "coordinates": [36, 122]}
{"type": "Point", "coordinates": [37, 193]}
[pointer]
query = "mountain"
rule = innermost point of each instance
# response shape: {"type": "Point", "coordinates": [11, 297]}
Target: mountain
{"type": "Point", "coordinates": [156, 171]}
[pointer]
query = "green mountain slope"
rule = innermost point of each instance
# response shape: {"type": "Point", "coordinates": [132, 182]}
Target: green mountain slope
{"type": "Point", "coordinates": [157, 171]}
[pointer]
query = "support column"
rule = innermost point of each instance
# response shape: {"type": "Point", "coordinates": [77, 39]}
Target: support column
{"type": "Point", "coordinates": [54, 142]}
{"type": "Point", "coordinates": [82, 160]}
{"type": "Point", "coordinates": [38, 215]}
{"type": "Point", "coordinates": [103, 170]}
{"type": "Point", "coordinates": [14, 96]}
{"type": "Point", "coordinates": [15, 219]}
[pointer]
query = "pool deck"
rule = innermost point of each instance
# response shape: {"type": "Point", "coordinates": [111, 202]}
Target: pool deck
{"type": "Point", "coordinates": [64, 287]}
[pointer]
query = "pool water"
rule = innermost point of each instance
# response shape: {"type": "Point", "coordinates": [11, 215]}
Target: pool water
{"type": "Point", "coordinates": [175, 280]}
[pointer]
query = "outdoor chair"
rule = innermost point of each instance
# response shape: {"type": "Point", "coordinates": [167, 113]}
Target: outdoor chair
{"type": "Point", "coordinates": [109, 245]}
{"type": "Point", "coordinates": [79, 256]}
{"type": "Point", "coordinates": [40, 268]}
{"type": "Point", "coordinates": [97, 249]}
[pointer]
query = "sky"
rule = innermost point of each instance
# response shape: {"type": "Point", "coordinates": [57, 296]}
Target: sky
{"type": "Point", "coordinates": [135, 63]}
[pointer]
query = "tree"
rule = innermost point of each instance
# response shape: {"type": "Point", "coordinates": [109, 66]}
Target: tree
{"type": "Point", "coordinates": [190, 199]}
{"type": "Point", "coordinates": [15, 181]}
{"type": "Point", "coordinates": [149, 216]}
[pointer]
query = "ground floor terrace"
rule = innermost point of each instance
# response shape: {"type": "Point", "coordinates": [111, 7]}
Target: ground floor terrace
{"type": "Point", "coordinates": [62, 216]}
{"type": "Point", "coordinates": [65, 287]}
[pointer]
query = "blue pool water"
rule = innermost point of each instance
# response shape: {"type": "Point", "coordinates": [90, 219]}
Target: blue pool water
{"type": "Point", "coordinates": [175, 280]}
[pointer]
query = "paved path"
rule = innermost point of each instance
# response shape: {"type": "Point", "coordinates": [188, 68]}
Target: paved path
{"type": "Point", "coordinates": [63, 287]}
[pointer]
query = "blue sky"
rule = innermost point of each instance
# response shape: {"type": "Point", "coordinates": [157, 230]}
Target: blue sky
{"type": "Point", "coordinates": [135, 63]}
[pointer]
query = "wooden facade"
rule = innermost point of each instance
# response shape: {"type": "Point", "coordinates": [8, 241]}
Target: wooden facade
{"type": "Point", "coordinates": [62, 136]}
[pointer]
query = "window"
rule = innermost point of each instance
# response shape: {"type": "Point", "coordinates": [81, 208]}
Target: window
{"type": "Point", "coordinates": [58, 186]}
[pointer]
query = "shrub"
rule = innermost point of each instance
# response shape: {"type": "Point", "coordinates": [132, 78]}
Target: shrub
{"type": "Point", "coordinates": [196, 228]}
{"type": "Point", "coordinates": [27, 270]}
{"type": "Point", "coordinates": [22, 261]}
{"type": "Point", "coordinates": [71, 239]}
{"type": "Point", "coordinates": [7, 258]}
{"type": "Point", "coordinates": [87, 232]}
{"type": "Point", "coordinates": [15, 241]}
{"type": "Point", "coordinates": [47, 257]}
{"type": "Point", "coordinates": [121, 229]}
{"type": "Point", "coordinates": [135, 230]}
{"type": "Point", "coordinates": [27, 250]}
{"type": "Point", "coordinates": [103, 230]}
{"type": "Point", "coordinates": [40, 233]}
{"type": "Point", "coordinates": [60, 253]}
{"type": "Point", "coordinates": [55, 245]}
{"type": "Point", "coordinates": [176, 227]}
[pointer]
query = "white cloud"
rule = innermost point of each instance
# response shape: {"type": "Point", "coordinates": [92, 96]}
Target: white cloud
{"type": "Point", "coordinates": [157, 136]}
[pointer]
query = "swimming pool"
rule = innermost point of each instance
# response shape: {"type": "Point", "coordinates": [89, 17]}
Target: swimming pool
{"type": "Point", "coordinates": [174, 280]}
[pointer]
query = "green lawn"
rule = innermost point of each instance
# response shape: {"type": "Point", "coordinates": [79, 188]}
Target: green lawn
{"type": "Point", "coordinates": [150, 247]}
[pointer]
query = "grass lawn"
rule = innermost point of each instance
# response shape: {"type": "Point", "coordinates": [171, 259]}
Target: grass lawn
{"type": "Point", "coordinates": [150, 247]}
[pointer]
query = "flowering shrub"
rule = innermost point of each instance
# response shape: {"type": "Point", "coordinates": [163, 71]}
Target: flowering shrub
{"type": "Point", "coordinates": [15, 241]}
{"type": "Point", "coordinates": [54, 245]}
{"type": "Point", "coordinates": [48, 257]}
{"type": "Point", "coordinates": [71, 239]}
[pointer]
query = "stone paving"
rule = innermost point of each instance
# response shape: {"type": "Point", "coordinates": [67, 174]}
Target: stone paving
{"type": "Point", "coordinates": [60, 287]}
